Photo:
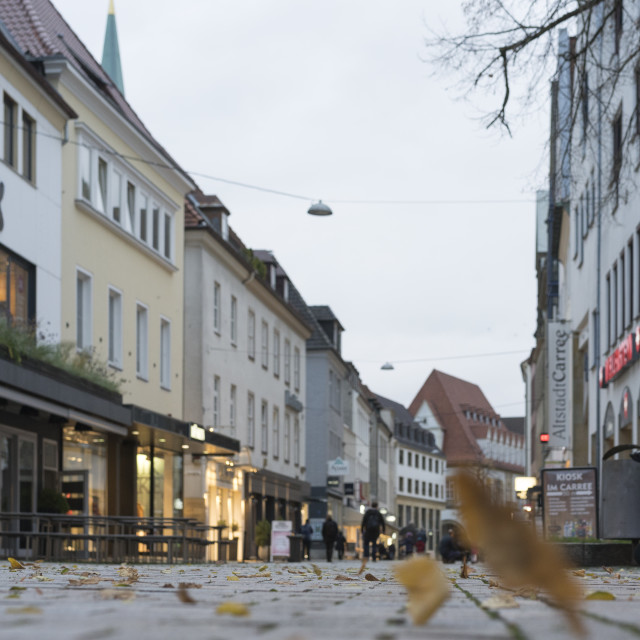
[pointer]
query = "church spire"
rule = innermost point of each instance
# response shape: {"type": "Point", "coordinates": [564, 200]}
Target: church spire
{"type": "Point", "coordinates": [111, 50]}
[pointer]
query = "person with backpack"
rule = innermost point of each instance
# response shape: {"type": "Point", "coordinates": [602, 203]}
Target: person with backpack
{"type": "Point", "coordinates": [329, 535]}
{"type": "Point", "coordinates": [372, 526]}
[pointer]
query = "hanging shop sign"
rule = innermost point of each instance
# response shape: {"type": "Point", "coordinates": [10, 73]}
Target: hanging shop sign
{"type": "Point", "coordinates": [559, 384]}
{"type": "Point", "coordinates": [624, 355]}
{"type": "Point", "coordinates": [338, 467]}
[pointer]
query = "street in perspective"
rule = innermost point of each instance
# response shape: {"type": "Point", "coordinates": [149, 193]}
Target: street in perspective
{"type": "Point", "coordinates": [320, 320]}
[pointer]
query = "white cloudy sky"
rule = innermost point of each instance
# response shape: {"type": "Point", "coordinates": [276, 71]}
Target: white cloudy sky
{"type": "Point", "coordinates": [330, 99]}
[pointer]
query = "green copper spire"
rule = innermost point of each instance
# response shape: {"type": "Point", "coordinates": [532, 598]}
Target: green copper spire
{"type": "Point", "coordinates": [111, 51]}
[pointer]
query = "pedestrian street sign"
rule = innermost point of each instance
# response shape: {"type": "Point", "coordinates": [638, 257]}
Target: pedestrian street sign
{"type": "Point", "coordinates": [338, 467]}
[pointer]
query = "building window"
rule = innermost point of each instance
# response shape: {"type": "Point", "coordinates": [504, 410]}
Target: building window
{"type": "Point", "coordinates": [102, 193]}
{"type": "Point", "coordinates": [264, 426]}
{"type": "Point", "coordinates": [424, 463]}
{"type": "Point", "coordinates": [296, 441]}
{"type": "Point", "coordinates": [382, 448]}
{"type": "Point", "coordinates": [265, 345]}
{"type": "Point", "coordinates": [155, 228]}
{"type": "Point", "coordinates": [165, 354]}
{"type": "Point", "coordinates": [609, 332]}
{"type": "Point", "coordinates": [618, 15]}
{"type": "Point", "coordinates": [623, 293]}
{"type": "Point", "coordinates": [115, 328]}
{"type": "Point", "coordinates": [296, 368]}
{"type": "Point", "coordinates": [287, 361]}
{"type": "Point", "coordinates": [28, 147]}
{"type": "Point", "coordinates": [424, 488]}
{"type": "Point", "coordinates": [251, 420]}
{"type": "Point", "coordinates": [614, 305]}
{"type": "Point", "coordinates": [142, 342]}
{"type": "Point", "coordinates": [400, 483]}
{"type": "Point", "coordinates": [84, 306]}
{"type": "Point", "coordinates": [276, 353]}
{"type": "Point", "coordinates": [232, 408]}
{"type": "Point", "coordinates": [437, 462]}
{"type": "Point", "coordinates": [287, 436]}
{"type": "Point", "coordinates": [215, 419]}
{"type": "Point", "coordinates": [130, 218]}
{"type": "Point", "coordinates": [144, 208]}
{"type": "Point", "coordinates": [431, 489]}
{"type": "Point", "coordinates": [408, 485]}
{"type": "Point", "coordinates": [116, 195]}
{"type": "Point", "coordinates": [276, 432]}
{"type": "Point", "coordinates": [430, 464]}
{"type": "Point", "coordinates": [437, 488]}
{"type": "Point", "coordinates": [408, 458]}
{"type": "Point", "coordinates": [251, 335]}
{"type": "Point", "coordinates": [616, 151]}
{"type": "Point", "coordinates": [168, 236]}
{"type": "Point", "coordinates": [234, 320]}
{"type": "Point", "coordinates": [10, 128]}
{"type": "Point", "coordinates": [631, 280]}
{"type": "Point", "coordinates": [216, 307]}
{"type": "Point", "coordinates": [400, 456]}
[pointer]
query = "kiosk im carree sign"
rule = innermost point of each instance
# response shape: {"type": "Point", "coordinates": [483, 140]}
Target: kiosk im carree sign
{"type": "Point", "coordinates": [570, 503]}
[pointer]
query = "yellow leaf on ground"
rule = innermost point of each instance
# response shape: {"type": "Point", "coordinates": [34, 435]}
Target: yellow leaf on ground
{"type": "Point", "coordinates": [500, 601]}
{"type": "Point", "coordinates": [15, 564]}
{"type": "Point", "coordinates": [233, 578]}
{"type": "Point", "coordinates": [600, 595]}
{"type": "Point", "coordinates": [24, 610]}
{"type": "Point", "coordinates": [233, 609]}
{"type": "Point", "coordinates": [264, 567]}
{"type": "Point", "coordinates": [579, 572]}
{"type": "Point", "coordinates": [426, 585]}
{"type": "Point", "coordinates": [117, 594]}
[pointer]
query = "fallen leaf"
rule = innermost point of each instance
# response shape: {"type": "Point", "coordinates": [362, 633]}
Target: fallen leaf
{"type": "Point", "coordinates": [129, 573]}
{"type": "Point", "coordinates": [608, 569]}
{"type": "Point", "coordinates": [526, 592]}
{"type": "Point", "coordinates": [117, 594]}
{"type": "Point", "coordinates": [600, 595]}
{"type": "Point", "coordinates": [512, 549]}
{"type": "Point", "coordinates": [233, 609]}
{"type": "Point", "coordinates": [363, 565]}
{"type": "Point", "coordinates": [18, 589]}
{"type": "Point", "coordinates": [264, 567]}
{"type": "Point", "coordinates": [85, 581]}
{"type": "Point", "coordinates": [15, 564]}
{"type": "Point", "coordinates": [24, 610]}
{"type": "Point", "coordinates": [317, 570]}
{"type": "Point", "coordinates": [189, 585]}
{"type": "Point", "coordinates": [183, 596]}
{"type": "Point", "coordinates": [494, 584]}
{"type": "Point", "coordinates": [370, 577]}
{"type": "Point", "coordinates": [167, 586]}
{"type": "Point", "coordinates": [500, 601]}
{"type": "Point", "coordinates": [579, 572]}
{"type": "Point", "coordinates": [426, 585]}
{"type": "Point", "coordinates": [341, 577]}
{"type": "Point", "coordinates": [464, 571]}
{"type": "Point", "coordinates": [233, 578]}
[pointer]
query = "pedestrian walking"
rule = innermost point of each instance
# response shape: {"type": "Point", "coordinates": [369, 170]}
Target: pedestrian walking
{"type": "Point", "coordinates": [329, 535]}
{"type": "Point", "coordinates": [340, 542]}
{"type": "Point", "coordinates": [307, 531]}
{"type": "Point", "coordinates": [449, 548]}
{"type": "Point", "coordinates": [372, 525]}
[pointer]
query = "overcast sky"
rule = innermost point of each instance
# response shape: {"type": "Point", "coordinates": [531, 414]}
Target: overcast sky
{"type": "Point", "coordinates": [331, 99]}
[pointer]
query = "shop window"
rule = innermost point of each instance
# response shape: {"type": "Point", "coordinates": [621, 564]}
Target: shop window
{"type": "Point", "coordinates": [50, 476]}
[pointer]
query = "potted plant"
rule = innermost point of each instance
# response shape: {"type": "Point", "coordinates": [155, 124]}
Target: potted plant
{"type": "Point", "coordinates": [52, 501]}
{"type": "Point", "coordinates": [263, 539]}
{"type": "Point", "coordinates": [234, 529]}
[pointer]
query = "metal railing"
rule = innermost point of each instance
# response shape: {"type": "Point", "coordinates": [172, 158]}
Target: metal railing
{"type": "Point", "coordinates": [55, 537]}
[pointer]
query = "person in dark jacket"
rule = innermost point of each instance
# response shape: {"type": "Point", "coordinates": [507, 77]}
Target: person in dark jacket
{"type": "Point", "coordinates": [372, 526]}
{"type": "Point", "coordinates": [307, 531]}
{"type": "Point", "coordinates": [329, 535]}
{"type": "Point", "coordinates": [340, 542]}
{"type": "Point", "coordinates": [450, 549]}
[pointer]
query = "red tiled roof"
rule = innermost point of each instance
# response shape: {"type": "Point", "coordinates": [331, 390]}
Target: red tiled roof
{"type": "Point", "coordinates": [449, 397]}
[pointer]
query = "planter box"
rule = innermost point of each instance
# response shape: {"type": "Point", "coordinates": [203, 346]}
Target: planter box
{"type": "Point", "coordinates": [598, 554]}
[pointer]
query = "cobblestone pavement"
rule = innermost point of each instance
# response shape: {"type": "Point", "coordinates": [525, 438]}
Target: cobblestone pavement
{"type": "Point", "coordinates": [296, 601]}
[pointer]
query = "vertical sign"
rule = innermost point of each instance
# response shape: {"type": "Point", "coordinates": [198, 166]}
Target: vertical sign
{"type": "Point", "coordinates": [559, 383]}
{"type": "Point", "coordinates": [570, 503]}
{"type": "Point", "coordinates": [280, 532]}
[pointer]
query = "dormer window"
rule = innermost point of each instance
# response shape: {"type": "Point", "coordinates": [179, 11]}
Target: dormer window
{"type": "Point", "coordinates": [272, 276]}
